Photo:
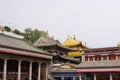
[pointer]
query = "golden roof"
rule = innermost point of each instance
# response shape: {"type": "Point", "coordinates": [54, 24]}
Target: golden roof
{"type": "Point", "coordinates": [75, 54]}
{"type": "Point", "coordinates": [70, 42]}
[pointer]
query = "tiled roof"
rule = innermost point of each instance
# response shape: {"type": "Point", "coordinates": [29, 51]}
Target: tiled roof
{"type": "Point", "coordinates": [70, 42]}
{"type": "Point", "coordinates": [95, 64]}
{"type": "Point", "coordinates": [11, 42]}
{"type": "Point", "coordinates": [100, 50]}
{"type": "Point", "coordinates": [45, 41]}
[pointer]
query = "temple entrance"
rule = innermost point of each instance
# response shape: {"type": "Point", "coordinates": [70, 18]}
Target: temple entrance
{"type": "Point", "coordinates": [25, 70]}
{"type": "Point", "coordinates": [35, 71]}
{"type": "Point", "coordinates": [102, 76]}
{"type": "Point", "coordinates": [1, 68]}
{"type": "Point", "coordinates": [12, 70]}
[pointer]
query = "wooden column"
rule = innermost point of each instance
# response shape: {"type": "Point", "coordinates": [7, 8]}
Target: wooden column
{"type": "Point", "coordinates": [80, 77]}
{"type": "Point", "coordinates": [5, 70]}
{"type": "Point", "coordinates": [94, 76]}
{"type": "Point", "coordinates": [46, 71]}
{"type": "Point", "coordinates": [30, 71]}
{"type": "Point", "coordinates": [62, 77]}
{"type": "Point", "coordinates": [19, 70]}
{"type": "Point", "coordinates": [39, 71]}
{"type": "Point", "coordinates": [73, 77]}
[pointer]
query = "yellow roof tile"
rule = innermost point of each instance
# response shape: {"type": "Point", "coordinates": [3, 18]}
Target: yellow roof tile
{"type": "Point", "coordinates": [73, 54]}
{"type": "Point", "coordinates": [70, 42]}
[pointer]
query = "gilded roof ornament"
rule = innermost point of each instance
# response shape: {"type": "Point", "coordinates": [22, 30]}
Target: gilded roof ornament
{"type": "Point", "coordinates": [74, 37]}
{"type": "Point", "coordinates": [118, 44]}
{"type": "Point", "coordinates": [2, 28]}
{"type": "Point", "coordinates": [68, 36]}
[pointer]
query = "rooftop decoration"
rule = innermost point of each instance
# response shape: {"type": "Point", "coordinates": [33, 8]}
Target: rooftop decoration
{"type": "Point", "coordinates": [118, 44]}
{"type": "Point", "coordinates": [70, 41]}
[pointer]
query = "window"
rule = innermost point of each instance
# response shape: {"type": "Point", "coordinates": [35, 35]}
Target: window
{"type": "Point", "coordinates": [104, 57]}
{"type": "Point", "coordinates": [91, 58]}
{"type": "Point", "coordinates": [118, 57]}
{"type": "Point", "coordinates": [112, 57]}
{"type": "Point", "coordinates": [97, 57]}
{"type": "Point", "coordinates": [86, 58]}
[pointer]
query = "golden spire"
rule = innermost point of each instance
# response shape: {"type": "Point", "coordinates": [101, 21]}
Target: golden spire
{"type": "Point", "coordinates": [70, 42]}
{"type": "Point", "coordinates": [2, 28]}
{"type": "Point", "coordinates": [74, 37]}
{"type": "Point", "coordinates": [118, 44]}
{"type": "Point", "coordinates": [68, 36]}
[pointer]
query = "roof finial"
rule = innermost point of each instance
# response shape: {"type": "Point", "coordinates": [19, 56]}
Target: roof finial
{"type": "Point", "coordinates": [68, 36]}
{"type": "Point", "coordinates": [74, 37]}
{"type": "Point", "coordinates": [2, 28]}
{"type": "Point", "coordinates": [118, 44]}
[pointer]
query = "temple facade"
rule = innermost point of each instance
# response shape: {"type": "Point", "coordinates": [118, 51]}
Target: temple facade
{"type": "Point", "coordinates": [77, 47]}
{"type": "Point", "coordinates": [19, 60]}
{"type": "Point", "coordinates": [97, 64]}
{"type": "Point", "coordinates": [59, 52]}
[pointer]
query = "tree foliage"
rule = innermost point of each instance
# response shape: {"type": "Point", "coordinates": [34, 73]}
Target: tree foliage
{"type": "Point", "coordinates": [32, 35]}
{"type": "Point", "coordinates": [29, 34]}
{"type": "Point", "coordinates": [17, 32]}
{"type": "Point", "coordinates": [7, 28]}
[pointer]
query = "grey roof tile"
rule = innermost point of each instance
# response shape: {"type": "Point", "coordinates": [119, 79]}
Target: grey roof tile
{"type": "Point", "coordinates": [12, 42]}
{"type": "Point", "coordinates": [45, 41]}
{"type": "Point", "coordinates": [105, 63]}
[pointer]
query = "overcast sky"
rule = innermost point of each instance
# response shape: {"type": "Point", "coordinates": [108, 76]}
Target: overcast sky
{"type": "Point", "coordinates": [94, 22]}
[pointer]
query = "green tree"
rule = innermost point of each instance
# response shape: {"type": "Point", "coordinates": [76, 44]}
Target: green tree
{"type": "Point", "coordinates": [17, 32]}
{"type": "Point", "coordinates": [33, 35]}
{"type": "Point", "coordinates": [28, 30]}
{"type": "Point", "coordinates": [7, 28]}
{"type": "Point", "coordinates": [27, 34]}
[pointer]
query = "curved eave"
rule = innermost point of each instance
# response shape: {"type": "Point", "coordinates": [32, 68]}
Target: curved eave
{"type": "Point", "coordinates": [58, 46]}
{"type": "Point", "coordinates": [67, 59]}
{"type": "Point", "coordinates": [76, 45]}
{"type": "Point", "coordinates": [87, 70]}
{"type": "Point", "coordinates": [24, 53]}
{"type": "Point", "coordinates": [71, 44]}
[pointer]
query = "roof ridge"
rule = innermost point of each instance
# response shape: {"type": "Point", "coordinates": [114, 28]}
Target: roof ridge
{"type": "Point", "coordinates": [10, 36]}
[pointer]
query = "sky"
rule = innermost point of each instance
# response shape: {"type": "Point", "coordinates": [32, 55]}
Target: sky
{"type": "Point", "coordinates": [94, 22]}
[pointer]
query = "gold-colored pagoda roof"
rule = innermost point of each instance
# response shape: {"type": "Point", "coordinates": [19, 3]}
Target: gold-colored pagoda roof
{"type": "Point", "coordinates": [75, 54]}
{"type": "Point", "coordinates": [70, 42]}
